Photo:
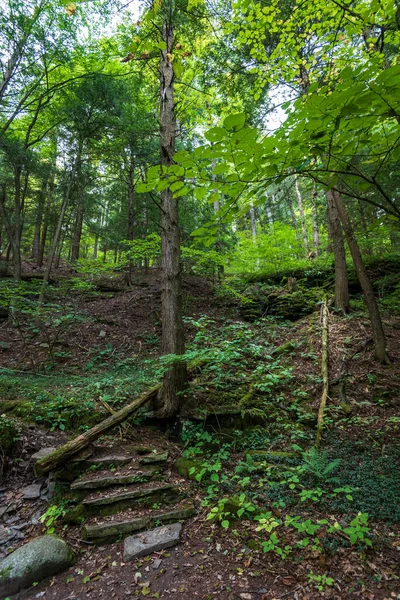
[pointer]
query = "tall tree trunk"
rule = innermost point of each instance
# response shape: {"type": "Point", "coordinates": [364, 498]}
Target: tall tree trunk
{"type": "Point", "coordinates": [315, 220]}
{"type": "Point", "coordinates": [365, 282]}
{"type": "Point", "coordinates": [173, 341]}
{"type": "Point", "coordinates": [302, 217]}
{"type": "Point", "coordinates": [339, 253]}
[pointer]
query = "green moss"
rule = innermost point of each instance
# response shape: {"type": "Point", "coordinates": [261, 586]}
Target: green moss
{"type": "Point", "coordinates": [184, 465]}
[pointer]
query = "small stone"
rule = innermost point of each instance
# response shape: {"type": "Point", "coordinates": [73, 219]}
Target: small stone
{"type": "Point", "coordinates": [102, 334]}
{"type": "Point", "coordinates": [246, 596]}
{"type": "Point", "coordinates": [156, 564]}
{"type": "Point", "coordinates": [32, 492]}
{"type": "Point", "coordinates": [43, 557]}
{"type": "Point", "coordinates": [152, 541]}
{"type": "Point", "coordinates": [42, 453]}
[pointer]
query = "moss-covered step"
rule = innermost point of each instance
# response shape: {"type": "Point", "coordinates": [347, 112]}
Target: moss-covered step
{"type": "Point", "coordinates": [98, 483]}
{"type": "Point", "coordinates": [105, 505]}
{"type": "Point", "coordinates": [77, 467]}
{"type": "Point", "coordinates": [154, 458]}
{"type": "Point", "coordinates": [112, 530]}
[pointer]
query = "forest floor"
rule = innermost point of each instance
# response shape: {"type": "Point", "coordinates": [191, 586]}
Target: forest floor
{"type": "Point", "coordinates": [247, 430]}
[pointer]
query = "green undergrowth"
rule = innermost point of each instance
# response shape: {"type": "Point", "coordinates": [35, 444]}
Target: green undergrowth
{"type": "Point", "coordinates": [298, 499]}
{"type": "Point", "coordinates": [68, 402]}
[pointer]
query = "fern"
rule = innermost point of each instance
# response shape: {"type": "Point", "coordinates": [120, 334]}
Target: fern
{"type": "Point", "coordinates": [317, 464]}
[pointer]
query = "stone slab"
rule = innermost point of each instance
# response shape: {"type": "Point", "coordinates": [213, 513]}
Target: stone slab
{"type": "Point", "coordinates": [153, 458]}
{"type": "Point", "coordinates": [137, 493]}
{"type": "Point", "coordinates": [42, 453]}
{"type": "Point", "coordinates": [151, 541]}
{"type": "Point", "coordinates": [104, 482]}
{"type": "Point", "coordinates": [32, 492]}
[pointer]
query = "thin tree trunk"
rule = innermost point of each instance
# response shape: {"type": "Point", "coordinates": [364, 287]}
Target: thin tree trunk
{"type": "Point", "coordinates": [253, 223]}
{"type": "Point", "coordinates": [302, 218]}
{"type": "Point", "coordinates": [172, 342]}
{"type": "Point", "coordinates": [324, 373]}
{"type": "Point", "coordinates": [131, 194]}
{"type": "Point", "coordinates": [339, 253]}
{"type": "Point", "coordinates": [378, 334]}
{"type": "Point", "coordinates": [315, 220]}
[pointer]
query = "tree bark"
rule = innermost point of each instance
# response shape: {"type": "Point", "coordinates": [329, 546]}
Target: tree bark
{"type": "Point", "coordinates": [339, 253]}
{"type": "Point", "coordinates": [172, 342]}
{"type": "Point", "coordinates": [378, 334]}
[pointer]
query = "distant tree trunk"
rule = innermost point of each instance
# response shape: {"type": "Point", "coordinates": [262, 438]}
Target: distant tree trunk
{"type": "Point", "coordinates": [368, 245]}
{"type": "Point", "coordinates": [365, 282]}
{"type": "Point", "coordinates": [302, 217]}
{"type": "Point", "coordinates": [131, 194]}
{"type": "Point", "coordinates": [315, 220]}
{"type": "Point", "coordinates": [38, 222]}
{"type": "Point", "coordinates": [339, 253]}
{"type": "Point", "coordinates": [57, 232]}
{"type": "Point", "coordinates": [46, 216]}
{"type": "Point", "coordinates": [76, 238]}
{"type": "Point", "coordinates": [174, 380]}
{"type": "Point", "coordinates": [253, 223]}
{"type": "Point", "coordinates": [269, 213]}
{"type": "Point", "coordinates": [96, 246]}
{"type": "Point", "coordinates": [293, 217]}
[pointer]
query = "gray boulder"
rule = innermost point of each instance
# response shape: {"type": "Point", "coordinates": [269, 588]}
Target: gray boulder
{"type": "Point", "coordinates": [43, 557]}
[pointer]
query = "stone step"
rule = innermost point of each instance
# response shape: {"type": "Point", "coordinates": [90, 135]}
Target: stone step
{"type": "Point", "coordinates": [134, 497]}
{"type": "Point", "coordinates": [105, 481]}
{"type": "Point", "coordinates": [154, 458]}
{"type": "Point", "coordinates": [114, 529]}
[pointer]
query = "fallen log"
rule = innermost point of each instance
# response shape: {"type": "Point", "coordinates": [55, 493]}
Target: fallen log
{"type": "Point", "coordinates": [324, 373]}
{"type": "Point", "coordinates": [62, 454]}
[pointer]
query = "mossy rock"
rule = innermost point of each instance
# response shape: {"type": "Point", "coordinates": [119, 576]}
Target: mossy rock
{"type": "Point", "coordinates": [292, 306]}
{"type": "Point", "coordinates": [183, 466]}
{"type": "Point", "coordinates": [9, 435]}
{"type": "Point", "coordinates": [17, 408]}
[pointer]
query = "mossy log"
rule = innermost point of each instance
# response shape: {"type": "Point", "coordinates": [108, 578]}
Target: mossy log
{"type": "Point", "coordinates": [62, 454]}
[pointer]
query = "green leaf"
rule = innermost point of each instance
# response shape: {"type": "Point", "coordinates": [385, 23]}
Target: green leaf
{"type": "Point", "coordinates": [225, 524]}
{"type": "Point", "coordinates": [215, 134]}
{"type": "Point", "coordinates": [234, 122]}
